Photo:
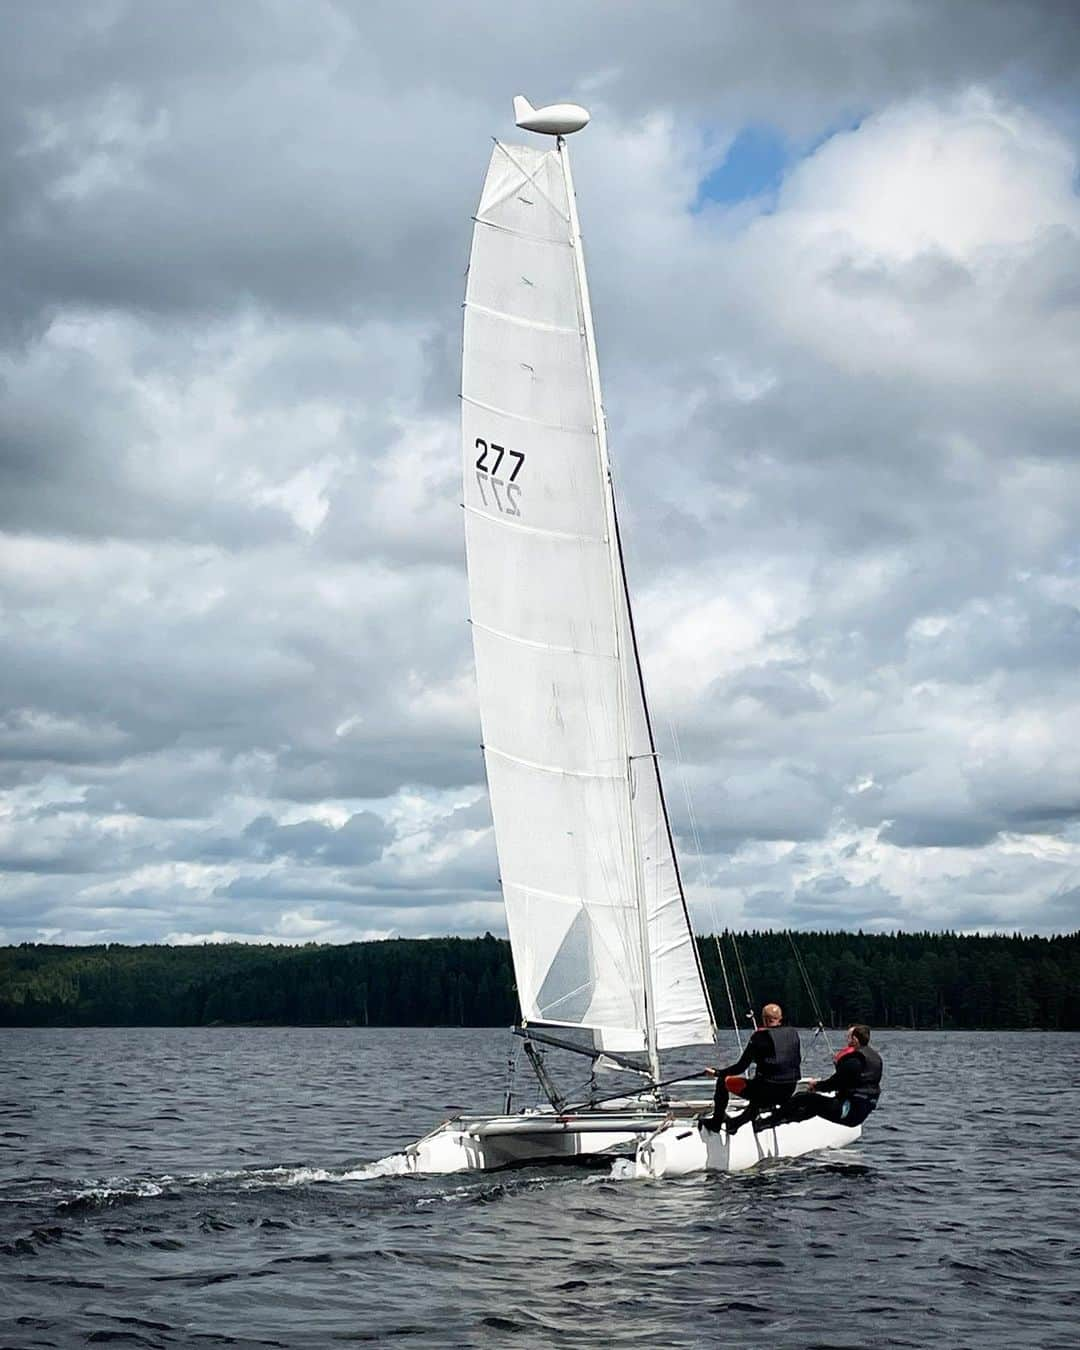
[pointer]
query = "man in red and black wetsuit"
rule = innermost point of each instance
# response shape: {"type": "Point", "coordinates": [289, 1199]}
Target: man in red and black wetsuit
{"type": "Point", "coordinates": [856, 1082]}
{"type": "Point", "coordinates": [777, 1054]}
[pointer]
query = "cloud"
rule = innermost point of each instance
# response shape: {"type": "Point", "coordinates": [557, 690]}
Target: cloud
{"type": "Point", "coordinates": [236, 693]}
{"type": "Point", "coordinates": [360, 839]}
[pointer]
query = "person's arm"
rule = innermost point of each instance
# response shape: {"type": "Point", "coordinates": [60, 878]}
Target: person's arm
{"type": "Point", "coordinates": [845, 1076]}
{"type": "Point", "coordinates": [749, 1056]}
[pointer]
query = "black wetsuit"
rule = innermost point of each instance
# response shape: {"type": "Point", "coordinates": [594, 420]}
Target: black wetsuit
{"type": "Point", "coordinates": [857, 1084]}
{"type": "Point", "coordinates": [777, 1055]}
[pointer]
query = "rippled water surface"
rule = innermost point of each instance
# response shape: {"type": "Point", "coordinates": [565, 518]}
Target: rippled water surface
{"type": "Point", "coordinates": [221, 1186]}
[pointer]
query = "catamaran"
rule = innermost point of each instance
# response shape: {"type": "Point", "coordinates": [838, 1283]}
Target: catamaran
{"type": "Point", "coordinates": [604, 954]}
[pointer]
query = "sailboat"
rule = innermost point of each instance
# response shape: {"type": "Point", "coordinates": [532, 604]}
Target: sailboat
{"type": "Point", "coordinates": [604, 954]}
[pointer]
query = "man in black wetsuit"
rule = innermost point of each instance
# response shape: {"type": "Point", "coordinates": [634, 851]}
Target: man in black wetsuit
{"type": "Point", "coordinates": [776, 1052]}
{"type": "Point", "coordinates": [856, 1082]}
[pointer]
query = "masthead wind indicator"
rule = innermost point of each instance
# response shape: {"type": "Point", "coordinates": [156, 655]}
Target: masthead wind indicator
{"type": "Point", "coordinates": [557, 119]}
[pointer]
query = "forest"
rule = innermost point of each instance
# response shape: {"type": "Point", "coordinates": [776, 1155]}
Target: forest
{"type": "Point", "coordinates": [938, 980]}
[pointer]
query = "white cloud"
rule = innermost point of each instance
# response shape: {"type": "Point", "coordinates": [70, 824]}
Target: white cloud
{"type": "Point", "coordinates": [231, 577]}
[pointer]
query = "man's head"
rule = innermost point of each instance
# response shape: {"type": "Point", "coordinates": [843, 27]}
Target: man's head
{"type": "Point", "coordinates": [859, 1034]}
{"type": "Point", "coordinates": [772, 1015]}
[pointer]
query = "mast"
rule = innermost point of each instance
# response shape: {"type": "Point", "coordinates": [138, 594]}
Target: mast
{"type": "Point", "coordinates": [594, 903]}
{"type": "Point", "coordinates": [619, 594]}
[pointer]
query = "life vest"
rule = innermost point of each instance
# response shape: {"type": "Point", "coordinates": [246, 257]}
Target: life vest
{"type": "Point", "coordinates": [847, 1050]}
{"type": "Point", "coordinates": [867, 1086]}
{"type": "Point", "coordinates": [784, 1064]}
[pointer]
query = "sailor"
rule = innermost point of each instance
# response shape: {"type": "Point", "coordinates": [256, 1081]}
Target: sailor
{"type": "Point", "coordinates": [856, 1082]}
{"type": "Point", "coordinates": [775, 1051]}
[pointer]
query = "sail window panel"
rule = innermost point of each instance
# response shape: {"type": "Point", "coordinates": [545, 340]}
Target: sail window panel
{"type": "Point", "coordinates": [536, 945]}
{"type": "Point", "coordinates": [580, 973]}
{"type": "Point", "coordinates": [570, 898]}
{"type": "Point", "coordinates": [564, 974]}
{"type": "Point", "coordinates": [523, 474]}
{"type": "Point", "coordinates": [563, 835]}
{"type": "Point", "coordinates": [525, 191]}
{"type": "Point", "coordinates": [554, 708]}
{"type": "Point", "coordinates": [530, 280]}
{"type": "Point", "coordinates": [540, 588]}
{"type": "Point", "coordinates": [533, 373]}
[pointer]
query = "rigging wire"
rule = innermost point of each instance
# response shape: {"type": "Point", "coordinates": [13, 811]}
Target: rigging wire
{"type": "Point", "coordinates": [630, 553]}
{"type": "Point", "coordinates": [702, 881]}
{"type": "Point", "coordinates": [750, 1005]}
{"type": "Point", "coordinates": [801, 967]}
{"type": "Point", "coordinates": [511, 1068]}
{"type": "Point", "coordinates": [727, 990]}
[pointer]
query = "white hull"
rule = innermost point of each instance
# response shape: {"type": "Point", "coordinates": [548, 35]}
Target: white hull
{"type": "Point", "coordinates": [659, 1143]}
{"type": "Point", "coordinates": [680, 1149]}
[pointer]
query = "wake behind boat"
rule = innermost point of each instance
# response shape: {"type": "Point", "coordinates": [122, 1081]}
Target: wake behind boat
{"type": "Point", "coordinates": [599, 928]}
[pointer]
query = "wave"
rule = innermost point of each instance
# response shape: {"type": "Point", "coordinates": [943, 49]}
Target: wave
{"type": "Point", "coordinates": [125, 1190]}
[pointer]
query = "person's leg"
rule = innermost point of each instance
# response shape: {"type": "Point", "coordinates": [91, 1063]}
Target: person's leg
{"type": "Point", "coordinates": [806, 1106]}
{"type": "Point", "coordinates": [858, 1112]}
{"type": "Point", "coordinates": [720, 1104]}
{"type": "Point", "coordinates": [779, 1095]}
{"type": "Point", "coordinates": [759, 1096]}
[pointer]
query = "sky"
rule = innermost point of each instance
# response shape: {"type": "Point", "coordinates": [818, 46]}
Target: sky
{"type": "Point", "coordinates": [834, 256]}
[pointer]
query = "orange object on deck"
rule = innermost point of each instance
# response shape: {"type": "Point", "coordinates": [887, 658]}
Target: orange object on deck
{"type": "Point", "coordinates": [735, 1084]}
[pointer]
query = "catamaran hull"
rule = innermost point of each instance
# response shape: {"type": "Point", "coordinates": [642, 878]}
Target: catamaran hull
{"type": "Point", "coordinates": [678, 1150]}
{"type": "Point", "coordinates": [484, 1144]}
{"type": "Point", "coordinates": [657, 1146]}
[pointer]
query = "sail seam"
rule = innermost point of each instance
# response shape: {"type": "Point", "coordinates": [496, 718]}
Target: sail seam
{"type": "Point", "coordinates": [513, 523]}
{"type": "Point", "coordinates": [522, 234]}
{"type": "Point", "coordinates": [553, 768]}
{"type": "Point", "coordinates": [587, 902]}
{"type": "Point", "coordinates": [522, 322]}
{"type": "Point", "coordinates": [570, 899]}
{"type": "Point", "coordinates": [543, 646]}
{"type": "Point", "coordinates": [524, 417]}
{"type": "Point", "coordinates": [531, 179]}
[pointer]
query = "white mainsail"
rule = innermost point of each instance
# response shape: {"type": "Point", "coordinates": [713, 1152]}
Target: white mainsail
{"type": "Point", "coordinates": [598, 922]}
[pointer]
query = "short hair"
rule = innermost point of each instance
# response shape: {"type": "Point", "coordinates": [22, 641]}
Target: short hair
{"type": "Point", "coordinates": [772, 1012]}
{"type": "Point", "coordinates": [861, 1032]}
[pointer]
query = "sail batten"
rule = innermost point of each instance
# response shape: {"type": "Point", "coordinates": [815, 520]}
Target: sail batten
{"type": "Point", "coordinates": [551, 768]}
{"type": "Point", "coordinates": [543, 646]}
{"type": "Point", "coordinates": [585, 429]}
{"type": "Point", "coordinates": [521, 234]}
{"type": "Point", "coordinates": [515, 318]}
{"type": "Point", "coordinates": [515, 524]}
{"type": "Point", "coordinates": [597, 919]}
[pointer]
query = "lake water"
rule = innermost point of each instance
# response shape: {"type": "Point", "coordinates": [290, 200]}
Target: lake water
{"type": "Point", "coordinates": [212, 1187]}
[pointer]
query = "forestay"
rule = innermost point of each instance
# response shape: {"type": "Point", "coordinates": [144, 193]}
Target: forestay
{"type": "Point", "coordinates": [598, 922]}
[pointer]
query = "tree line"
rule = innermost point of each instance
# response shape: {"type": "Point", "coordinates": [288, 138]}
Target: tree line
{"type": "Point", "coordinates": [903, 979]}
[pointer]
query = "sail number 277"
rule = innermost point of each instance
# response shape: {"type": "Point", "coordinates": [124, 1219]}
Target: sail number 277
{"type": "Point", "coordinates": [489, 461]}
